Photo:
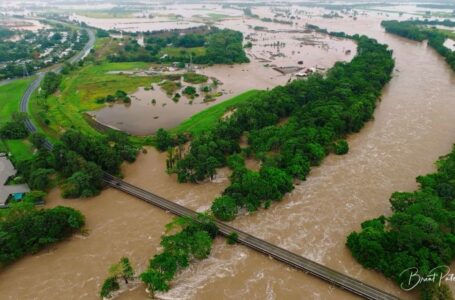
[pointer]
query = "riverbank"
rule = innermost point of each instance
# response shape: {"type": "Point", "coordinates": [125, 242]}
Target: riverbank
{"type": "Point", "coordinates": [208, 118]}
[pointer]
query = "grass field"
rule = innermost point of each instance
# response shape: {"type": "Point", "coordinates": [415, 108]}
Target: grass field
{"type": "Point", "coordinates": [10, 97]}
{"type": "Point", "coordinates": [78, 93]}
{"type": "Point", "coordinates": [210, 116]}
{"type": "Point", "coordinates": [177, 51]}
{"type": "Point", "coordinates": [21, 149]}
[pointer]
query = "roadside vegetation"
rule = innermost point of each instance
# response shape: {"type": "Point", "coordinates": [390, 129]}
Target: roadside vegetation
{"type": "Point", "coordinates": [12, 130]}
{"type": "Point", "coordinates": [85, 88]}
{"type": "Point", "coordinates": [76, 162]}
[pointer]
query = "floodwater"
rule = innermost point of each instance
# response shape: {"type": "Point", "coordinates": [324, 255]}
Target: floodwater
{"type": "Point", "coordinates": [23, 24]}
{"type": "Point", "coordinates": [413, 125]}
{"type": "Point", "coordinates": [312, 50]}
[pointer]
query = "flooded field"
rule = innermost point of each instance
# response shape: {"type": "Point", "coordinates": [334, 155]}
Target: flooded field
{"type": "Point", "coordinates": [412, 126]}
{"type": "Point", "coordinates": [297, 48]}
{"type": "Point", "coordinates": [23, 24]}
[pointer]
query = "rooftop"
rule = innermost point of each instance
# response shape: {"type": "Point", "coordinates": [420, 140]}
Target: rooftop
{"type": "Point", "coordinates": [6, 171]}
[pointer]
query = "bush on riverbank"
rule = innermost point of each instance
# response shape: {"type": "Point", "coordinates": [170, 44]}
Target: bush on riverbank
{"type": "Point", "coordinates": [121, 270]}
{"type": "Point", "coordinates": [25, 229]}
{"type": "Point", "coordinates": [192, 241]}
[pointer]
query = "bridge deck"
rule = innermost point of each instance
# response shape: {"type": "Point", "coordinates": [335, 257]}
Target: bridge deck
{"type": "Point", "coordinates": [333, 277]}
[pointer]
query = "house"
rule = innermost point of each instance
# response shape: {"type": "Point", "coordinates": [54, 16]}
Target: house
{"type": "Point", "coordinates": [15, 192]}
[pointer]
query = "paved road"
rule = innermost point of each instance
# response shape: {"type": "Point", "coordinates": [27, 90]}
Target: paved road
{"type": "Point", "coordinates": [331, 276]}
{"type": "Point", "coordinates": [39, 77]}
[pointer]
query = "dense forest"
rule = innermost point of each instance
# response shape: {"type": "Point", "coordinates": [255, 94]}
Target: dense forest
{"type": "Point", "coordinates": [419, 234]}
{"type": "Point", "coordinates": [289, 129]}
{"type": "Point", "coordinates": [205, 46]}
{"type": "Point", "coordinates": [414, 30]}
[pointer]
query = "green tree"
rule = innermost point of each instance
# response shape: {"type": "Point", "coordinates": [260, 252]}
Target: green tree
{"type": "Point", "coordinates": [163, 140]}
{"type": "Point", "coordinates": [38, 140]}
{"type": "Point", "coordinates": [39, 179]}
{"type": "Point", "coordinates": [341, 147]}
{"type": "Point", "coordinates": [109, 285]}
{"type": "Point", "coordinates": [224, 208]}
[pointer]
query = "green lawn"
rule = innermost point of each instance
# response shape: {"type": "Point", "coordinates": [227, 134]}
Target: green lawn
{"type": "Point", "coordinates": [210, 116]}
{"type": "Point", "coordinates": [180, 51]}
{"type": "Point", "coordinates": [78, 93]}
{"type": "Point", "coordinates": [21, 149]}
{"type": "Point", "coordinates": [10, 97]}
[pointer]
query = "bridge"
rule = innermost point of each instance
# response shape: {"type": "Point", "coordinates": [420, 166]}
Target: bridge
{"type": "Point", "coordinates": [308, 266]}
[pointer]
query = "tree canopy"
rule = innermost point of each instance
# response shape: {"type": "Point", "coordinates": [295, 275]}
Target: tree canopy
{"type": "Point", "coordinates": [289, 128]}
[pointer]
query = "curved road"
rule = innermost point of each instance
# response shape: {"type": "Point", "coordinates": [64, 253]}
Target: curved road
{"type": "Point", "coordinates": [36, 83]}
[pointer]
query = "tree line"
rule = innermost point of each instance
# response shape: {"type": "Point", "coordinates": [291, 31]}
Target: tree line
{"type": "Point", "coordinates": [289, 129]}
{"type": "Point", "coordinates": [221, 46]}
{"type": "Point", "coordinates": [79, 159]}
{"type": "Point", "coordinates": [414, 30]}
{"type": "Point", "coordinates": [419, 234]}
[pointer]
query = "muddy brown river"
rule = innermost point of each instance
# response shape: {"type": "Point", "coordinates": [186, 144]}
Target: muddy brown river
{"type": "Point", "coordinates": [413, 125]}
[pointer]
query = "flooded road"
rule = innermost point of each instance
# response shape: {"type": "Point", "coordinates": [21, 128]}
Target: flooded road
{"type": "Point", "coordinates": [412, 126]}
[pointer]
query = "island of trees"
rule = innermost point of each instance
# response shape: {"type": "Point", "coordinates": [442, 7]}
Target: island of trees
{"type": "Point", "coordinates": [289, 129]}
